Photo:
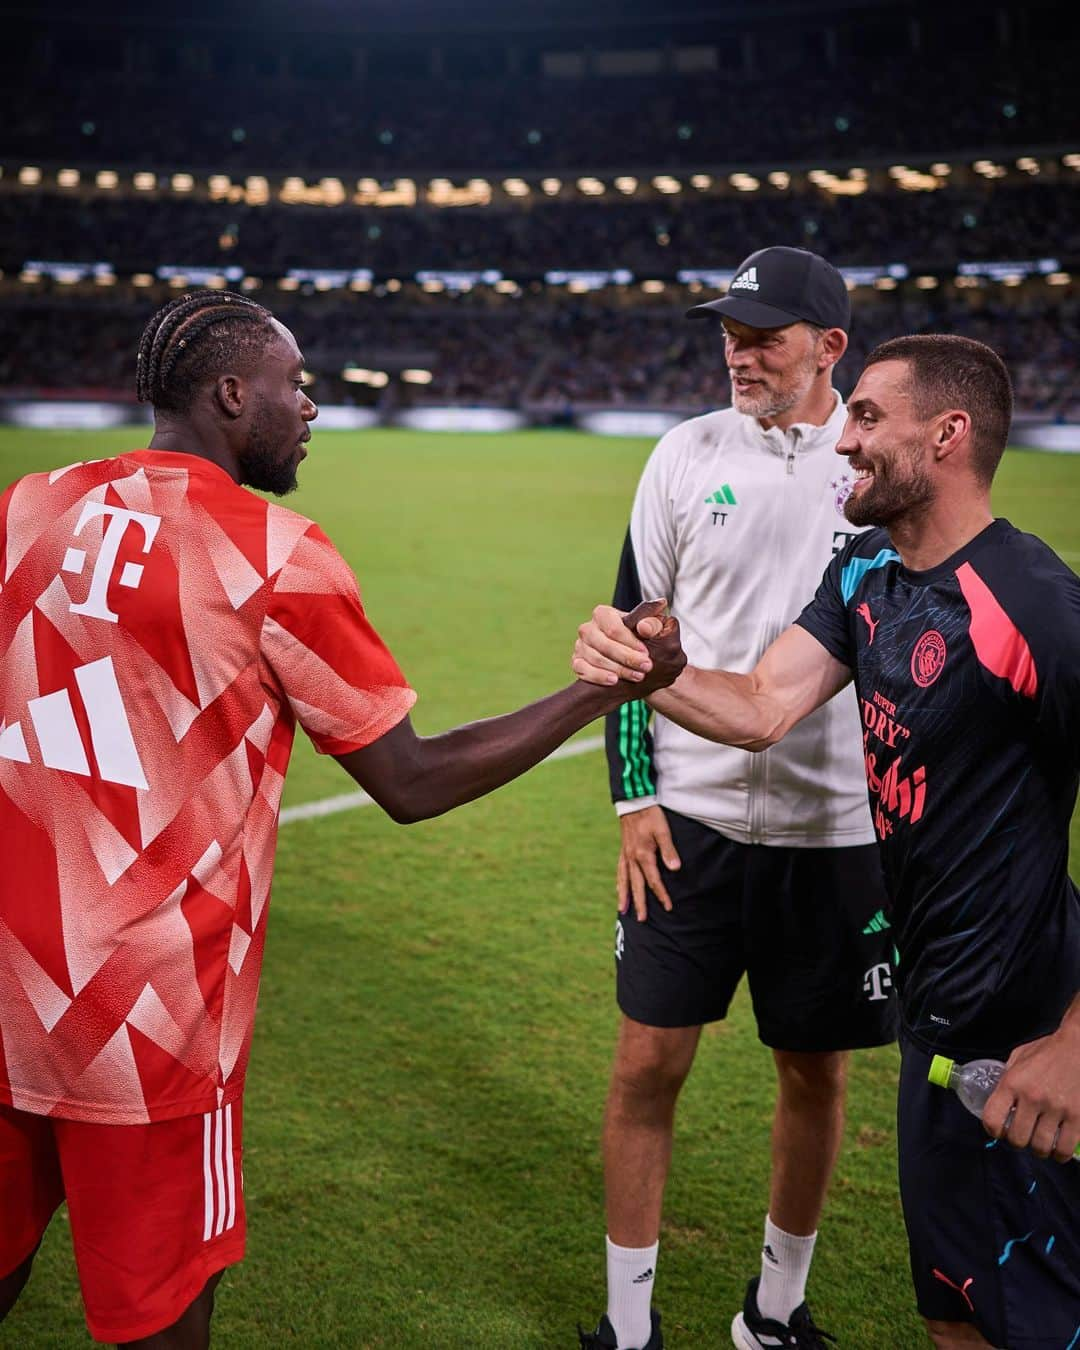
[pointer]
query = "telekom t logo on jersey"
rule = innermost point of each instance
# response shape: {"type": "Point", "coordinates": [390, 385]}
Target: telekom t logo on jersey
{"type": "Point", "coordinates": [96, 604]}
{"type": "Point", "coordinates": [53, 717]}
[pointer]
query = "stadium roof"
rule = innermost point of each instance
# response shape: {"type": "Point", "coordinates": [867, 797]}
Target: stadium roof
{"type": "Point", "coordinates": [617, 20]}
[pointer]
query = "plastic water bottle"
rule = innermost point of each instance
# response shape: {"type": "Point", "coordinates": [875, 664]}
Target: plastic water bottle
{"type": "Point", "coordinates": [972, 1082]}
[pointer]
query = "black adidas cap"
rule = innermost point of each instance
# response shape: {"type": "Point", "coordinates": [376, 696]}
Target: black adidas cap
{"type": "Point", "coordinates": [777, 286]}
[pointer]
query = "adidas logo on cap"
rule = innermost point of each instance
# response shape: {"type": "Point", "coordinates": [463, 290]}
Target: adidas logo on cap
{"type": "Point", "coordinates": [747, 282]}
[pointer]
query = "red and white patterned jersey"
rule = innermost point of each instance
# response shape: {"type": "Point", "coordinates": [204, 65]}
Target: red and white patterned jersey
{"type": "Point", "coordinates": [162, 630]}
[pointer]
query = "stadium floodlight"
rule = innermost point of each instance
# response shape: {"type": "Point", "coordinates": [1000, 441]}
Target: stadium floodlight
{"type": "Point", "coordinates": [29, 175]}
{"type": "Point", "coordinates": [256, 190]}
{"type": "Point", "coordinates": [322, 278]}
{"type": "Point", "coordinates": [702, 181]}
{"type": "Point", "coordinates": [378, 379]}
{"type": "Point", "coordinates": [308, 377]}
{"type": "Point", "coordinates": [218, 185]}
{"type": "Point", "coordinates": [898, 170]}
{"type": "Point", "coordinates": [551, 186]}
{"type": "Point", "coordinates": [178, 281]}
{"type": "Point", "coordinates": [360, 284]}
{"type": "Point", "coordinates": [68, 178]}
{"type": "Point", "coordinates": [417, 376]}
{"type": "Point", "coordinates": [853, 186]}
{"type": "Point", "coordinates": [1059, 279]}
{"type": "Point", "coordinates": [665, 183]}
{"type": "Point", "coordinates": [1028, 164]}
{"type": "Point", "coordinates": [29, 276]}
{"type": "Point", "coordinates": [107, 179]}
{"type": "Point", "coordinates": [780, 179]}
{"type": "Point", "coordinates": [1013, 279]}
{"type": "Point", "coordinates": [433, 285]}
{"type": "Point", "coordinates": [507, 287]}
{"type": "Point", "coordinates": [941, 170]}
{"type": "Point", "coordinates": [578, 285]}
{"type": "Point", "coordinates": [626, 183]}
{"type": "Point", "coordinates": [911, 180]}
{"type": "Point", "coordinates": [393, 284]}
{"type": "Point", "coordinates": [355, 375]}
{"type": "Point", "coordinates": [741, 182]}
{"type": "Point", "coordinates": [964, 283]}
{"type": "Point", "coordinates": [105, 279]}
{"type": "Point", "coordinates": [1071, 161]}
{"type": "Point", "coordinates": [515, 187]}
{"type": "Point", "coordinates": [885, 284]}
{"type": "Point", "coordinates": [288, 283]}
{"type": "Point", "coordinates": [332, 191]}
{"type": "Point", "coordinates": [142, 279]}
{"type": "Point", "coordinates": [591, 187]}
{"type": "Point", "coordinates": [476, 192]}
{"type": "Point", "coordinates": [370, 192]}
{"type": "Point", "coordinates": [182, 182]}
{"type": "Point", "coordinates": [1000, 269]}
{"type": "Point", "coordinates": [926, 283]}
{"type": "Point", "coordinates": [293, 190]}
{"type": "Point", "coordinates": [652, 286]}
{"type": "Point", "coordinates": [145, 181]}
{"type": "Point", "coordinates": [251, 283]}
{"type": "Point", "coordinates": [715, 278]}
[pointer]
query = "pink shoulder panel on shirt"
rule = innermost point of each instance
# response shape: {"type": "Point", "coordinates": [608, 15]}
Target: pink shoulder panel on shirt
{"type": "Point", "coordinates": [999, 644]}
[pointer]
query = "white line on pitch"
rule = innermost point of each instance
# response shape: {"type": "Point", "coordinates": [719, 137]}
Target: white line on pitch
{"type": "Point", "coordinates": [349, 801]}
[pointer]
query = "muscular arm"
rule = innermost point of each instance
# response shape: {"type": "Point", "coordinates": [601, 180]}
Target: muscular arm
{"type": "Point", "coordinates": [415, 777]}
{"type": "Point", "coordinates": [795, 676]}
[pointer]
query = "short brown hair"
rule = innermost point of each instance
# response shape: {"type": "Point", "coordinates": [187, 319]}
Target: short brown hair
{"type": "Point", "coordinates": [957, 372]}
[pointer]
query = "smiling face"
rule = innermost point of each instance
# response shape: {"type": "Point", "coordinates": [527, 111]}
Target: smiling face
{"type": "Point", "coordinates": [276, 429]}
{"type": "Point", "coordinates": [772, 370]}
{"type": "Point", "coordinates": [888, 447]}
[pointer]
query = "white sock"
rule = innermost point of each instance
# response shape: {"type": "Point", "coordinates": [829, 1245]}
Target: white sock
{"type": "Point", "coordinates": [785, 1264]}
{"type": "Point", "coordinates": [630, 1273]}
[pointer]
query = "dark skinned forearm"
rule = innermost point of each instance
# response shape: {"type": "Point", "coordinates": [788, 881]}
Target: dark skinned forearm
{"type": "Point", "coordinates": [416, 777]}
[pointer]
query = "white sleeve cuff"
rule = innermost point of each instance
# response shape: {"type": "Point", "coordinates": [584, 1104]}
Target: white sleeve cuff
{"type": "Point", "coordinates": [634, 804]}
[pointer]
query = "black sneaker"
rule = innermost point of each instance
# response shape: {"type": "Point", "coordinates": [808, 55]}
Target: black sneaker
{"type": "Point", "coordinates": [604, 1338]}
{"type": "Point", "coordinates": [751, 1331]}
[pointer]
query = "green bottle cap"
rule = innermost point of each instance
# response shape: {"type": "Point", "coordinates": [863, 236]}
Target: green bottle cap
{"type": "Point", "coordinates": [940, 1069]}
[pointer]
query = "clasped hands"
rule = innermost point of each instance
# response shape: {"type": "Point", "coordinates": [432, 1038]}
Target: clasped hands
{"type": "Point", "coordinates": [642, 647]}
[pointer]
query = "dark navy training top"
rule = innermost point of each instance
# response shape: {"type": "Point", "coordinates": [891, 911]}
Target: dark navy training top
{"type": "Point", "coordinates": [968, 680]}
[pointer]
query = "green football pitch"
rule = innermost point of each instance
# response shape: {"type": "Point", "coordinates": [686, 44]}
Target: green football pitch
{"type": "Point", "coordinates": [436, 1019]}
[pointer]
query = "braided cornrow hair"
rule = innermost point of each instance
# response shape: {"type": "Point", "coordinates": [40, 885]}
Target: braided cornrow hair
{"type": "Point", "coordinates": [192, 339]}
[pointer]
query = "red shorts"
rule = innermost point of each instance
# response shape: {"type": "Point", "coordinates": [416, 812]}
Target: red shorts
{"type": "Point", "coordinates": [155, 1209]}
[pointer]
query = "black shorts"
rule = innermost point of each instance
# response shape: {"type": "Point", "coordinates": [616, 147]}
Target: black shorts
{"type": "Point", "coordinates": [807, 925]}
{"type": "Point", "coordinates": [993, 1231]}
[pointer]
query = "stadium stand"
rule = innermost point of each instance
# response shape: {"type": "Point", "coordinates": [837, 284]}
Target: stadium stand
{"type": "Point", "coordinates": [524, 219]}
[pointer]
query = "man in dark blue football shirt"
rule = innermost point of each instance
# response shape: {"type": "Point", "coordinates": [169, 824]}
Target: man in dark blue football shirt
{"type": "Point", "coordinates": [962, 636]}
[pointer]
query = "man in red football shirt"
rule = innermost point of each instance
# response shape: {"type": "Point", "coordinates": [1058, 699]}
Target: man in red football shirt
{"type": "Point", "coordinates": [162, 631]}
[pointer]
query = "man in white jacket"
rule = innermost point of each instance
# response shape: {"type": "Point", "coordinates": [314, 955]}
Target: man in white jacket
{"type": "Point", "coordinates": [736, 863]}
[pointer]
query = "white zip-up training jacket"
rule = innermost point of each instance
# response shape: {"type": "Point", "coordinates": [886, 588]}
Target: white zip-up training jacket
{"type": "Point", "coordinates": [735, 525]}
